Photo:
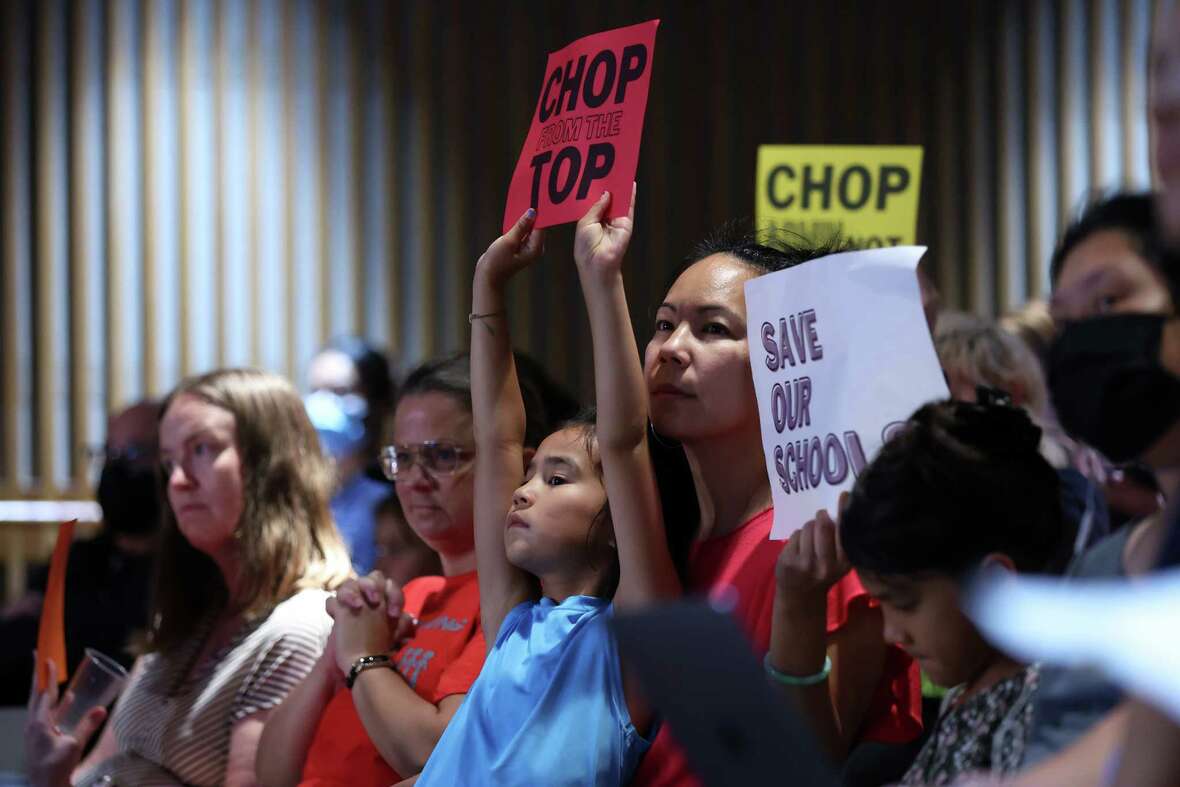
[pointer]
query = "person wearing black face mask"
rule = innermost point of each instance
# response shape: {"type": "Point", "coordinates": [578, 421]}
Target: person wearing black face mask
{"type": "Point", "coordinates": [109, 577]}
{"type": "Point", "coordinates": [1113, 388]}
{"type": "Point", "coordinates": [1115, 382]}
{"type": "Point", "coordinates": [1115, 366]}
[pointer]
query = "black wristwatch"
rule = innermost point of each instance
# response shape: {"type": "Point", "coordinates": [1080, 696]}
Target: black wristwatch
{"type": "Point", "coordinates": [364, 663]}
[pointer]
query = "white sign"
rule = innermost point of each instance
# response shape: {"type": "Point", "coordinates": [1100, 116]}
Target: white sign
{"type": "Point", "coordinates": [1129, 630]}
{"type": "Point", "coordinates": [841, 354]}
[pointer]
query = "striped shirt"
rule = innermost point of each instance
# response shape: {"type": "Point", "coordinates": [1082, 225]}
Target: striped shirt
{"type": "Point", "coordinates": [173, 728]}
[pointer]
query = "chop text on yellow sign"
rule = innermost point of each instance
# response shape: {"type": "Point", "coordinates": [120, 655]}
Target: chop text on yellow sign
{"type": "Point", "coordinates": [866, 194]}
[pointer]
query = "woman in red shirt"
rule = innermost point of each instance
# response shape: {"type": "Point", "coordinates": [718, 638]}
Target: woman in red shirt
{"type": "Point", "coordinates": [374, 707]}
{"type": "Point", "coordinates": [702, 395]}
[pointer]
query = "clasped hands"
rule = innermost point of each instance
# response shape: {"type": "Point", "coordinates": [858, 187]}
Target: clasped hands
{"type": "Point", "coordinates": [369, 618]}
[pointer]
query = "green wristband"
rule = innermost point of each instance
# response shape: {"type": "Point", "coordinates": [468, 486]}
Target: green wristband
{"type": "Point", "coordinates": [794, 680]}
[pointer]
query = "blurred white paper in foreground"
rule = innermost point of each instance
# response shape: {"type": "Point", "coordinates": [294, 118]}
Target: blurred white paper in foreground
{"type": "Point", "coordinates": [1130, 629]}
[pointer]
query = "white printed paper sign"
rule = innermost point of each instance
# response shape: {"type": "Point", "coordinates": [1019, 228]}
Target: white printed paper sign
{"type": "Point", "coordinates": [1129, 630]}
{"type": "Point", "coordinates": [841, 355]}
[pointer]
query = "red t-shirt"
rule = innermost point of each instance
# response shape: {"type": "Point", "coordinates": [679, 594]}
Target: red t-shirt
{"type": "Point", "coordinates": [737, 569]}
{"type": "Point", "coordinates": [443, 658]}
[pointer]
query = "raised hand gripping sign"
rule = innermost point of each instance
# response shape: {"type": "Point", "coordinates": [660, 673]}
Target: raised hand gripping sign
{"type": "Point", "coordinates": [586, 128]}
{"type": "Point", "coordinates": [841, 355]}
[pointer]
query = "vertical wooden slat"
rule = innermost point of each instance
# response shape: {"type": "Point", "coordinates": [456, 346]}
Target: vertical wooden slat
{"type": "Point", "coordinates": [822, 61]}
{"type": "Point", "coordinates": [359, 47]}
{"type": "Point", "coordinates": [12, 86]}
{"type": "Point", "coordinates": [882, 96]}
{"type": "Point", "coordinates": [1070, 93]}
{"type": "Point", "coordinates": [518, 112]}
{"type": "Point", "coordinates": [424, 262]}
{"type": "Point", "coordinates": [1133, 80]}
{"type": "Point", "coordinates": [1099, 105]}
{"type": "Point", "coordinates": [919, 124]}
{"type": "Point", "coordinates": [1005, 226]}
{"type": "Point", "coordinates": [1129, 107]}
{"type": "Point", "coordinates": [254, 145]}
{"type": "Point", "coordinates": [17, 236]}
{"type": "Point", "coordinates": [390, 82]}
{"type": "Point", "coordinates": [460, 254]}
{"type": "Point", "coordinates": [287, 44]}
{"type": "Point", "coordinates": [651, 200]}
{"type": "Point", "coordinates": [1038, 154]}
{"type": "Point", "coordinates": [1157, 8]}
{"type": "Point", "coordinates": [81, 183]}
{"type": "Point", "coordinates": [720, 99]}
{"type": "Point", "coordinates": [219, 147]}
{"type": "Point", "coordinates": [1012, 164]}
{"type": "Point", "coordinates": [323, 22]}
{"type": "Point", "coordinates": [1064, 141]}
{"type": "Point", "coordinates": [980, 135]}
{"type": "Point", "coordinates": [116, 217]}
{"type": "Point", "coordinates": [184, 175]}
{"type": "Point", "coordinates": [46, 126]}
{"type": "Point", "coordinates": [945, 161]}
{"type": "Point", "coordinates": [149, 113]}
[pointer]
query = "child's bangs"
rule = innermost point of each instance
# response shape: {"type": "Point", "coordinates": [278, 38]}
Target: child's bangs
{"type": "Point", "coordinates": [586, 424]}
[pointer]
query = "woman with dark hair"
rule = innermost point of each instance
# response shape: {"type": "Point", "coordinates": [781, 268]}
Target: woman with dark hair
{"type": "Point", "coordinates": [962, 488]}
{"type": "Point", "coordinates": [248, 551]}
{"type": "Point", "coordinates": [1112, 257]}
{"type": "Point", "coordinates": [1114, 290]}
{"type": "Point", "coordinates": [701, 394]}
{"type": "Point", "coordinates": [1115, 382]}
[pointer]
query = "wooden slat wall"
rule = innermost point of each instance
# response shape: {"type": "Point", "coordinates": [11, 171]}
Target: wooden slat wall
{"type": "Point", "coordinates": [189, 183]}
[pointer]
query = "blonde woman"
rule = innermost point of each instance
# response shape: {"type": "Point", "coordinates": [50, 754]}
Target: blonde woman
{"type": "Point", "coordinates": [973, 352]}
{"type": "Point", "coordinates": [248, 555]}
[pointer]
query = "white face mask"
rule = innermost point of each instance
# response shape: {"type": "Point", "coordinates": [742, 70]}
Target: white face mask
{"type": "Point", "coordinates": [340, 421]}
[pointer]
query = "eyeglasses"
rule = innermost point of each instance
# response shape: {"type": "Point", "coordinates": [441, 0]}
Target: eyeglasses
{"type": "Point", "coordinates": [434, 456]}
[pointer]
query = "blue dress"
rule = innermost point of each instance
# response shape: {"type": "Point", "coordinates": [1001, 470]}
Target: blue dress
{"type": "Point", "coordinates": [547, 708]}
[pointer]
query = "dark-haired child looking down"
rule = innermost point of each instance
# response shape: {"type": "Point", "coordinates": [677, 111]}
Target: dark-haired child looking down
{"type": "Point", "coordinates": [963, 488]}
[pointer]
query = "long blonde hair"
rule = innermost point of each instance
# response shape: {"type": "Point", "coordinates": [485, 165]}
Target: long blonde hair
{"type": "Point", "coordinates": [287, 539]}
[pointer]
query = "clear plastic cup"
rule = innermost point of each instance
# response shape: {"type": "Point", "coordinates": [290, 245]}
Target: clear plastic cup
{"type": "Point", "coordinates": [97, 681]}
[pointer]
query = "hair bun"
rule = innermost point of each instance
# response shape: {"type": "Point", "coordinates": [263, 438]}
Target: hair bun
{"type": "Point", "coordinates": [993, 425]}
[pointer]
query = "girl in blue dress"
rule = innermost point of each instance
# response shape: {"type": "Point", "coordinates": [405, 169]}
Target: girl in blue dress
{"type": "Point", "coordinates": [551, 705]}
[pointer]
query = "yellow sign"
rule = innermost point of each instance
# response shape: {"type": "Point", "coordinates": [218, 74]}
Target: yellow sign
{"type": "Point", "coordinates": [867, 194]}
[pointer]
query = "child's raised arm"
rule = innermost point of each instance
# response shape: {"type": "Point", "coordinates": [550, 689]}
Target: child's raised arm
{"type": "Point", "coordinates": [499, 422]}
{"type": "Point", "coordinates": [646, 572]}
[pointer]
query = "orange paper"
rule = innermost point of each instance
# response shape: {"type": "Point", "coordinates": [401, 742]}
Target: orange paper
{"type": "Point", "coordinates": [51, 637]}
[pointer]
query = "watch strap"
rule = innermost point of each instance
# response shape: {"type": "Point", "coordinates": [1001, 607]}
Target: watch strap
{"type": "Point", "coordinates": [364, 663]}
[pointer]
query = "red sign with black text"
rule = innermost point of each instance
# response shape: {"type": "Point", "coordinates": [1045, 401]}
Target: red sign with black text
{"type": "Point", "coordinates": [586, 129]}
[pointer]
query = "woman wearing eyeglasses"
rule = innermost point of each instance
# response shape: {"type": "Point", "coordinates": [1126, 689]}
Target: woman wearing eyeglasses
{"type": "Point", "coordinates": [400, 660]}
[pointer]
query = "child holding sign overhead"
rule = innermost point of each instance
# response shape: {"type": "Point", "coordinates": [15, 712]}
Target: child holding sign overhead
{"type": "Point", "coordinates": [551, 706]}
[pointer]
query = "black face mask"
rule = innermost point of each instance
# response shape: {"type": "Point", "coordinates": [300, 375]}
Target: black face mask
{"type": "Point", "coordinates": [129, 494]}
{"type": "Point", "coordinates": [1109, 387]}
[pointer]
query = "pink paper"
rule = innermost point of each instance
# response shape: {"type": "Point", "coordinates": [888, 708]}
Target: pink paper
{"type": "Point", "coordinates": [586, 128]}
